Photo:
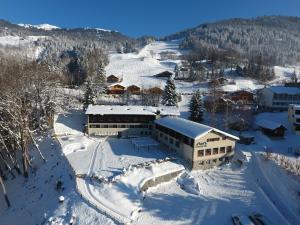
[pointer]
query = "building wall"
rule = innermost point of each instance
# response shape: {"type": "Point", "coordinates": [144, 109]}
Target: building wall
{"type": "Point", "coordinates": [184, 150]}
{"type": "Point", "coordinates": [127, 129]}
{"type": "Point", "coordinates": [294, 118]}
{"type": "Point", "coordinates": [209, 160]}
{"type": "Point", "coordinates": [269, 101]}
{"type": "Point", "coordinates": [190, 153]}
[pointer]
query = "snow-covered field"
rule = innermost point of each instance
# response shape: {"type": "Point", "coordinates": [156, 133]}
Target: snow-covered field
{"type": "Point", "coordinates": [25, 45]}
{"type": "Point", "coordinates": [140, 68]}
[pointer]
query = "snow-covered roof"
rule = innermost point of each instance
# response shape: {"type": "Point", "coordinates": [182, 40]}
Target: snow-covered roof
{"type": "Point", "coordinates": [189, 128]}
{"type": "Point", "coordinates": [285, 90]}
{"type": "Point", "coordinates": [131, 110]}
{"type": "Point", "coordinates": [268, 124]}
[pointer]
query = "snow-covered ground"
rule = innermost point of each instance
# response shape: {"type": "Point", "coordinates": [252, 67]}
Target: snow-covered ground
{"type": "Point", "coordinates": [43, 26]}
{"type": "Point", "coordinates": [284, 73]}
{"type": "Point", "coordinates": [25, 44]}
{"type": "Point", "coordinates": [140, 68]}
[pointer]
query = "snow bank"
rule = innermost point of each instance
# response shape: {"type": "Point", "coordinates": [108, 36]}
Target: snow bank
{"type": "Point", "coordinates": [189, 184]}
{"type": "Point", "coordinates": [122, 198]}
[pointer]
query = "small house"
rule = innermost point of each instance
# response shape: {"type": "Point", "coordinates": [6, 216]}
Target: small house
{"type": "Point", "coordinates": [112, 79]}
{"type": "Point", "coordinates": [246, 139]}
{"type": "Point", "coordinates": [243, 96]}
{"type": "Point", "coordinates": [116, 89]}
{"type": "Point", "coordinates": [165, 74]}
{"type": "Point", "coordinates": [218, 81]}
{"type": "Point", "coordinates": [154, 91]}
{"type": "Point", "coordinates": [133, 89]}
{"type": "Point", "coordinates": [271, 129]}
{"type": "Point", "coordinates": [218, 104]}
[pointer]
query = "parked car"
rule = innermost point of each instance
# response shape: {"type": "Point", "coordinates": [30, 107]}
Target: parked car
{"type": "Point", "coordinates": [241, 220]}
{"type": "Point", "coordinates": [259, 219]}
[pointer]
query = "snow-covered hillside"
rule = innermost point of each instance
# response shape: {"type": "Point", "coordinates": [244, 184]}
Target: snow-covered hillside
{"type": "Point", "coordinates": [26, 45]}
{"type": "Point", "coordinates": [43, 26]}
{"type": "Point", "coordinates": [140, 68]}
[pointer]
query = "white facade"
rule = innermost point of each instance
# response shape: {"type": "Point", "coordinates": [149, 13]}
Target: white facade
{"type": "Point", "coordinates": [294, 117]}
{"type": "Point", "coordinates": [201, 146]}
{"type": "Point", "coordinates": [279, 97]}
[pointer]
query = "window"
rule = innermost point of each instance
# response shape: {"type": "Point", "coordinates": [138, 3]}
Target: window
{"type": "Point", "coordinates": [200, 153]}
{"type": "Point", "coordinates": [215, 151]}
{"type": "Point", "coordinates": [222, 150]}
{"type": "Point", "coordinates": [228, 149]}
{"type": "Point", "coordinates": [208, 151]}
{"type": "Point", "coordinates": [213, 139]}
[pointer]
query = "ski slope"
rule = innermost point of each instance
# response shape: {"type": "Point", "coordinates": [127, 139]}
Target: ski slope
{"type": "Point", "coordinates": [139, 68]}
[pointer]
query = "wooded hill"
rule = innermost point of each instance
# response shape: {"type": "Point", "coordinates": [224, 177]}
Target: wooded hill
{"type": "Point", "coordinates": [275, 38]}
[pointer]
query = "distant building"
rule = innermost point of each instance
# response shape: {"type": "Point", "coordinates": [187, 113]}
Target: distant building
{"type": "Point", "coordinates": [112, 79]}
{"type": "Point", "coordinates": [124, 121]}
{"type": "Point", "coordinates": [165, 74]}
{"type": "Point", "coordinates": [294, 117]}
{"type": "Point", "coordinates": [272, 129]}
{"type": "Point", "coordinates": [199, 145]}
{"type": "Point", "coordinates": [242, 96]}
{"type": "Point", "coordinates": [117, 89]}
{"type": "Point", "coordinates": [218, 81]}
{"type": "Point", "coordinates": [133, 89]}
{"type": "Point", "coordinates": [278, 97]}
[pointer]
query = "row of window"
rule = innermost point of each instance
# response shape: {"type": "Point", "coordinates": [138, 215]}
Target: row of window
{"type": "Point", "coordinates": [210, 161]}
{"type": "Point", "coordinates": [171, 141]}
{"type": "Point", "coordinates": [214, 151]}
{"type": "Point", "coordinates": [121, 118]}
{"type": "Point", "coordinates": [286, 96]}
{"type": "Point", "coordinates": [176, 135]}
{"type": "Point", "coordinates": [284, 103]}
{"type": "Point", "coordinates": [119, 126]}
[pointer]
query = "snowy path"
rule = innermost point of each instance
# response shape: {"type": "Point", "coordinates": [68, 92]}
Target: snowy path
{"type": "Point", "coordinates": [86, 188]}
{"type": "Point", "coordinates": [275, 200]}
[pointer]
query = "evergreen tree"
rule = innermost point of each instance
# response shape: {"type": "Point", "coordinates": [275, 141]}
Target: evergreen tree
{"type": "Point", "coordinates": [196, 107]}
{"type": "Point", "coordinates": [176, 71]}
{"type": "Point", "coordinates": [169, 97]}
{"type": "Point", "coordinates": [100, 80]}
{"type": "Point", "coordinates": [88, 95]}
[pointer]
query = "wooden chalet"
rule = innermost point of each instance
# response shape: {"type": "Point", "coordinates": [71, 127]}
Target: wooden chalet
{"type": "Point", "coordinates": [218, 81]}
{"type": "Point", "coordinates": [133, 89]}
{"type": "Point", "coordinates": [221, 104]}
{"type": "Point", "coordinates": [244, 96]}
{"type": "Point", "coordinates": [112, 79]}
{"type": "Point", "coordinates": [116, 89]}
{"type": "Point", "coordinates": [154, 91]}
{"type": "Point", "coordinates": [165, 74]}
{"type": "Point", "coordinates": [271, 129]}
